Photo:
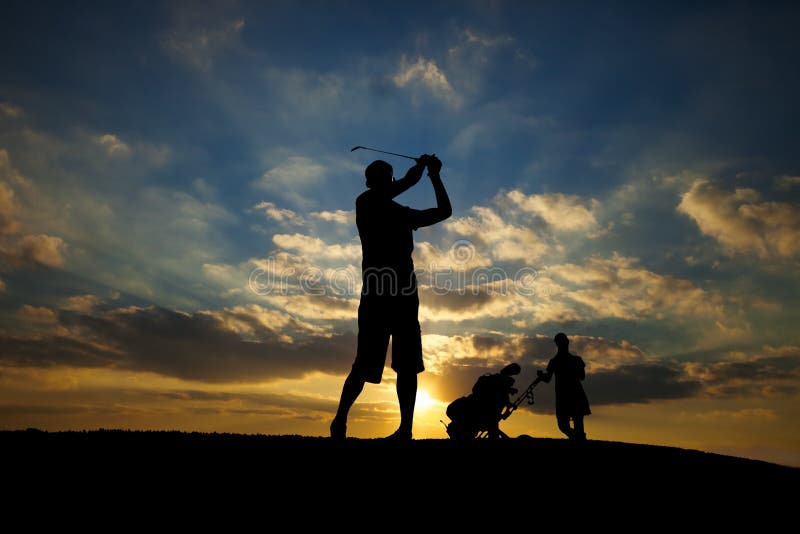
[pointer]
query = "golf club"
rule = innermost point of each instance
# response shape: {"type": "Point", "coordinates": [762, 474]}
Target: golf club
{"type": "Point", "coordinates": [381, 151]}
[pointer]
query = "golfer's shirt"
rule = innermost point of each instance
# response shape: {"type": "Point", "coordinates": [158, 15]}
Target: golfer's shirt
{"type": "Point", "coordinates": [385, 229]}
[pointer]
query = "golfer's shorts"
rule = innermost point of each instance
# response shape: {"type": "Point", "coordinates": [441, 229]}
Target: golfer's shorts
{"type": "Point", "coordinates": [379, 318]}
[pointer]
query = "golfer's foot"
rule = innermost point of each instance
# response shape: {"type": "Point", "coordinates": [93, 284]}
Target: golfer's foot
{"type": "Point", "coordinates": [400, 435]}
{"type": "Point", "coordinates": [338, 429]}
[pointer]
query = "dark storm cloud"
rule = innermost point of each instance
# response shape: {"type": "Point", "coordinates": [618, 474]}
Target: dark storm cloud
{"type": "Point", "coordinates": [52, 350]}
{"type": "Point", "coordinates": [773, 372]}
{"type": "Point", "coordinates": [482, 342]}
{"type": "Point", "coordinates": [640, 383]}
{"type": "Point", "coordinates": [537, 349]}
{"type": "Point", "coordinates": [763, 369]}
{"type": "Point", "coordinates": [197, 346]}
{"type": "Point", "coordinates": [455, 301]}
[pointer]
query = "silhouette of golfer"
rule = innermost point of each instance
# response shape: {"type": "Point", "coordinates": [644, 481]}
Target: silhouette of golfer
{"type": "Point", "coordinates": [389, 301]}
{"type": "Point", "coordinates": [571, 401]}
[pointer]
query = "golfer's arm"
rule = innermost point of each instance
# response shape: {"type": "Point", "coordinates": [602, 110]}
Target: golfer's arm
{"type": "Point", "coordinates": [406, 182]}
{"type": "Point", "coordinates": [443, 209]}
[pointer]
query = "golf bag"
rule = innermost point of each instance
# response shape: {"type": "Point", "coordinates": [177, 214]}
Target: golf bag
{"type": "Point", "coordinates": [479, 414]}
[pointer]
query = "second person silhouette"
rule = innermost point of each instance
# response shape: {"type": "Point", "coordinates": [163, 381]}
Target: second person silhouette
{"type": "Point", "coordinates": [571, 401]}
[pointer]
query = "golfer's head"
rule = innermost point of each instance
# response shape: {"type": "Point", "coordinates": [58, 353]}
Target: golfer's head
{"type": "Point", "coordinates": [562, 342]}
{"type": "Point", "coordinates": [379, 174]}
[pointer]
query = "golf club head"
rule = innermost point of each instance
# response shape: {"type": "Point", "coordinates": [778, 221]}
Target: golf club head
{"type": "Point", "coordinates": [355, 148]}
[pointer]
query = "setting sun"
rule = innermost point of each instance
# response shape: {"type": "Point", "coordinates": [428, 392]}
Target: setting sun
{"type": "Point", "coordinates": [425, 402]}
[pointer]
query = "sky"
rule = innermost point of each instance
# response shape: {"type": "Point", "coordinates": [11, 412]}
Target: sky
{"type": "Point", "coordinates": [177, 234]}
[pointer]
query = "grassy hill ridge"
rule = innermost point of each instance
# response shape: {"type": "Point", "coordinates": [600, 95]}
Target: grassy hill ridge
{"type": "Point", "coordinates": [480, 473]}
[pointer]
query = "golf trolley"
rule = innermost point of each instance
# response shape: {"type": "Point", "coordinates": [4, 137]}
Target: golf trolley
{"type": "Point", "coordinates": [472, 417]}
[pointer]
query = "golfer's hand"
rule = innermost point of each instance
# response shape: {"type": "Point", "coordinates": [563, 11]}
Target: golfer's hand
{"type": "Point", "coordinates": [423, 159]}
{"type": "Point", "coordinates": [544, 376]}
{"type": "Point", "coordinates": [434, 164]}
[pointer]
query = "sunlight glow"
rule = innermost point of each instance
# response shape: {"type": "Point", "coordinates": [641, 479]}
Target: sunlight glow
{"type": "Point", "coordinates": [425, 401]}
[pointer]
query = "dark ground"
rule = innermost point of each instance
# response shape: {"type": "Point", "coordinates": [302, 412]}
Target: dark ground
{"type": "Point", "coordinates": [453, 481]}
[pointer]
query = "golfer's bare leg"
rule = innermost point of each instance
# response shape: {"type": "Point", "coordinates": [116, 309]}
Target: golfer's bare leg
{"type": "Point", "coordinates": [578, 432]}
{"type": "Point", "coordinates": [407, 396]}
{"type": "Point", "coordinates": [353, 385]}
{"type": "Point", "coordinates": [563, 425]}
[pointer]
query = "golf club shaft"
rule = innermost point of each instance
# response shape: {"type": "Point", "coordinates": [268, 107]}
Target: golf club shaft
{"type": "Point", "coordinates": [386, 152]}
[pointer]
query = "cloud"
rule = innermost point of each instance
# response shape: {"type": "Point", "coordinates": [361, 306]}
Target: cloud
{"type": "Point", "coordinates": [113, 145]}
{"type": "Point", "coordinates": [239, 344]}
{"type": "Point", "coordinates": [473, 49]}
{"type": "Point", "coordinates": [474, 302]}
{"type": "Point", "coordinates": [10, 110]}
{"type": "Point", "coordinates": [619, 287]}
{"type": "Point", "coordinates": [282, 215]}
{"type": "Point", "coordinates": [145, 241]}
{"type": "Point", "coordinates": [285, 274]}
{"type": "Point", "coordinates": [785, 183]}
{"type": "Point", "coordinates": [249, 321]}
{"type": "Point", "coordinates": [568, 213]}
{"type": "Point", "coordinates": [41, 249]}
{"type": "Point", "coordinates": [251, 343]}
{"type": "Point", "coordinates": [639, 383]}
{"type": "Point", "coordinates": [292, 177]}
{"type": "Point", "coordinates": [17, 250]}
{"type": "Point", "coordinates": [742, 222]}
{"type": "Point", "coordinates": [199, 47]}
{"type": "Point", "coordinates": [475, 288]}
{"type": "Point", "coordinates": [489, 294]}
{"type": "Point", "coordinates": [424, 73]}
{"type": "Point", "coordinates": [461, 256]}
{"type": "Point", "coordinates": [473, 53]}
{"type": "Point", "coordinates": [774, 370]}
{"type": "Point", "coordinates": [8, 208]}
{"type": "Point", "coordinates": [503, 240]}
{"type": "Point", "coordinates": [32, 250]}
{"type": "Point", "coordinates": [317, 307]}
{"type": "Point", "coordinates": [316, 249]}
{"type": "Point", "coordinates": [487, 41]}
{"type": "Point", "coordinates": [182, 220]}
{"type": "Point", "coordinates": [38, 314]}
{"type": "Point", "coordinates": [81, 303]}
{"type": "Point", "coordinates": [343, 217]}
